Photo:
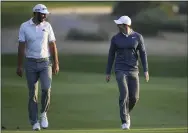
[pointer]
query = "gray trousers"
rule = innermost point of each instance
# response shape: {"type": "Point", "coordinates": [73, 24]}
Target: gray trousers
{"type": "Point", "coordinates": [35, 71]}
{"type": "Point", "coordinates": [128, 84]}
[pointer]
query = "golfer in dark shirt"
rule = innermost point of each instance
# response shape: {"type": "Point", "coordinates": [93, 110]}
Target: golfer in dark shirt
{"type": "Point", "coordinates": [126, 46]}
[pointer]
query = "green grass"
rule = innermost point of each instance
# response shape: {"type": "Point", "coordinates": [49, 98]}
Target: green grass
{"type": "Point", "coordinates": [18, 12]}
{"type": "Point", "coordinates": [159, 130]}
{"type": "Point", "coordinates": [83, 102]}
{"type": "Point", "coordinates": [158, 66]}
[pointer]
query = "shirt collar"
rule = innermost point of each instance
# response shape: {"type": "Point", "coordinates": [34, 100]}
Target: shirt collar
{"type": "Point", "coordinates": [31, 21]}
{"type": "Point", "coordinates": [125, 34]}
{"type": "Point", "coordinates": [128, 34]}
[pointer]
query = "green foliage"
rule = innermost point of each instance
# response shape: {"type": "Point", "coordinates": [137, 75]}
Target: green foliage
{"type": "Point", "coordinates": [174, 24]}
{"type": "Point", "coordinates": [148, 21]}
{"type": "Point", "coordinates": [146, 28]}
{"type": "Point", "coordinates": [131, 8]}
{"type": "Point", "coordinates": [151, 17]}
{"type": "Point", "coordinates": [151, 21]}
{"type": "Point", "coordinates": [18, 12]}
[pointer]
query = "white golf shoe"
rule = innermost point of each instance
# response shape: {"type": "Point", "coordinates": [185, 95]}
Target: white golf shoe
{"type": "Point", "coordinates": [129, 121]}
{"type": "Point", "coordinates": [44, 120]}
{"type": "Point", "coordinates": [36, 126]}
{"type": "Point", "coordinates": [125, 126]}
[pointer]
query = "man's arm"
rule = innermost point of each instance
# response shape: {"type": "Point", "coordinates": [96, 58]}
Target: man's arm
{"type": "Point", "coordinates": [21, 51]}
{"type": "Point", "coordinates": [21, 54]}
{"type": "Point", "coordinates": [54, 54]}
{"type": "Point", "coordinates": [143, 57]}
{"type": "Point", "coordinates": [53, 50]}
{"type": "Point", "coordinates": [143, 54]}
{"type": "Point", "coordinates": [111, 56]}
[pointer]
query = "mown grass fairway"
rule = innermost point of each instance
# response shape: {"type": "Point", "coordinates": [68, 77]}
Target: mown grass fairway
{"type": "Point", "coordinates": [157, 130]}
{"type": "Point", "coordinates": [83, 102]}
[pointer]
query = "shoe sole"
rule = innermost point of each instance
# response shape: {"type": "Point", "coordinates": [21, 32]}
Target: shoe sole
{"type": "Point", "coordinates": [126, 129]}
{"type": "Point", "coordinates": [43, 127]}
{"type": "Point", "coordinates": [36, 129]}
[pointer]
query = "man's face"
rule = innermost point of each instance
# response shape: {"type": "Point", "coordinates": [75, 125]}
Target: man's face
{"type": "Point", "coordinates": [123, 28]}
{"type": "Point", "coordinates": [40, 16]}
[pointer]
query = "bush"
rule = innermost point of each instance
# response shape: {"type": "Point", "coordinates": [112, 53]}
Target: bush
{"type": "Point", "coordinates": [183, 7]}
{"type": "Point", "coordinates": [131, 8]}
{"type": "Point", "coordinates": [78, 34]}
{"type": "Point", "coordinates": [174, 24]}
{"type": "Point", "coordinates": [146, 29]}
{"type": "Point", "coordinates": [149, 21]}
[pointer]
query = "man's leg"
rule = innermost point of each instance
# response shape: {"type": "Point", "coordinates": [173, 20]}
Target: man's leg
{"type": "Point", "coordinates": [32, 82]}
{"type": "Point", "coordinates": [123, 98]}
{"type": "Point", "coordinates": [133, 85]}
{"type": "Point", "coordinates": [46, 79]}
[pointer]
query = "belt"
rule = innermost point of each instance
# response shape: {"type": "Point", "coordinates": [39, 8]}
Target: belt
{"type": "Point", "coordinates": [38, 60]}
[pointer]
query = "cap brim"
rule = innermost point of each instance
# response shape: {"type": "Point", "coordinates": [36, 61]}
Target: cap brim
{"type": "Point", "coordinates": [118, 22]}
{"type": "Point", "coordinates": [45, 12]}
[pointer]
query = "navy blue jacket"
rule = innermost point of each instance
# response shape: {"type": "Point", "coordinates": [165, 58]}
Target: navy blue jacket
{"type": "Point", "coordinates": [126, 50]}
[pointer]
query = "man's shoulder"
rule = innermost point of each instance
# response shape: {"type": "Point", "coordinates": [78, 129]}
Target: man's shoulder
{"type": "Point", "coordinates": [46, 23]}
{"type": "Point", "coordinates": [25, 23]}
{"type": "Point", "coordinates": [116, 35]}
{"type": "Point", "coordinates": [137, 34]}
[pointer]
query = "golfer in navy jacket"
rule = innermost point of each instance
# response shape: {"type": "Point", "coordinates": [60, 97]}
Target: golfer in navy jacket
{"type": "Point", "coordinates": [126, 46]}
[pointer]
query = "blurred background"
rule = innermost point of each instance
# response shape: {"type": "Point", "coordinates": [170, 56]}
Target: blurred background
{"type": "Point", "coordinates": [80, 96]}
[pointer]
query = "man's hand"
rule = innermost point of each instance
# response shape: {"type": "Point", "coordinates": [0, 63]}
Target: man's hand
{"type": "Point", "coordinates": [55, 68]}
{"type": "Point", "coordinates": [146, 74]}
{"type": "Point", "coordinates": [107, 78]}
{"type": "Point", "coordinates": [19, 71]}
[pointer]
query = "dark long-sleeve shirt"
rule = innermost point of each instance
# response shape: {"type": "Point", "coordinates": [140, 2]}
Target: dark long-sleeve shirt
{"type": "Point", "coordinates": [124, 49]}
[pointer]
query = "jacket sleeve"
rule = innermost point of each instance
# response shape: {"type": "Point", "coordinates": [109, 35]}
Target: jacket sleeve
{"type": "Point", "coordinates": [111, 56]}
{"type": "Point", "coordinates": [143, 54]}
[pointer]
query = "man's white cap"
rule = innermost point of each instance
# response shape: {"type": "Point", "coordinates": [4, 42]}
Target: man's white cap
{"type": "Point", "coordinates": [123, 20]}
{"type": "Point", "coordinates": [41, 8]}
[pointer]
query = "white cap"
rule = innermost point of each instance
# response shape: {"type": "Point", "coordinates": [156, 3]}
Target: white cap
{"type": "Point", "coordinates": [123, 20]}
{"type": "Point", "coordinates": [41, 8]}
